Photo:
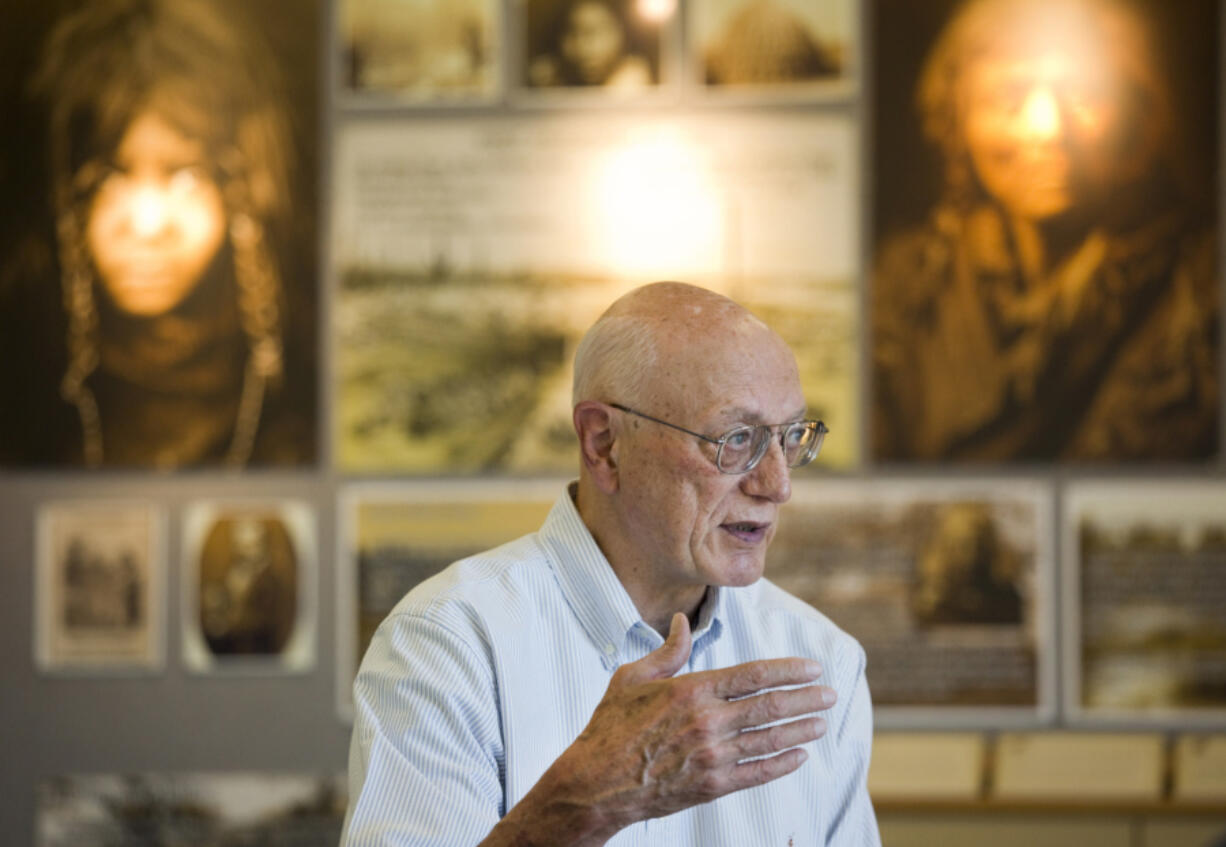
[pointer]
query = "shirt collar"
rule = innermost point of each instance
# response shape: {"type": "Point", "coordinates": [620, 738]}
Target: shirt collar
{"type": "Point", "coordinates": [599, 600]}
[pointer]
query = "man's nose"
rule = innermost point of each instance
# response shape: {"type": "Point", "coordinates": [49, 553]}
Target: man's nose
{"type": "Point", "coordinates": [1041, 114]}
{"type": "Point", "coordinates": [771, 478]}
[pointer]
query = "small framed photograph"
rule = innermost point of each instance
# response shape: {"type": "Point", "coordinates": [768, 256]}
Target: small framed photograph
{"type": "Point", "coordinates": [604, 49]}
{"type": "Point", "coordinates": [428, 52]}
{"type": "Point", "coordinates": [1144, 592]}
{"type": "Point", "coordinates": [100, 587]}
{"type": "Point", "coordinates": [248, 587]}
{"type": "Point", "coordinates": [222, 807]}
{"type": "Point", "coordinates": [778, 47]}
{"type": "Point", "coordinates": [947, 584]}
{"type": "Point", "coordinates": [393, 536]}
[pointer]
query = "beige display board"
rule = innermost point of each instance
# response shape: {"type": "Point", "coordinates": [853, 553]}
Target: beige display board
{"type": "Point", "coordinates": [947, 584]}
{"type": "Point", "coordinates": [1199, 769]}
{"type": "Point", "coordinates": [393, 536]}
{"type": "Point", "coordinates": [1078, 767]}
{"type": "Point", "coordinates": [927, 767]}
{"type": "Point", "coordinates": [249, 587]}
{"type": "Point", "coordinates": [1144, 588]}
{"type": "Point", "coordinates": [100, 587]}
{"type": "Point", "coordinates": [471, 255]}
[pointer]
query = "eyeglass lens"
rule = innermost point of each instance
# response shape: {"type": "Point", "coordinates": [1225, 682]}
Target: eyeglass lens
{"type": "Point", "coordinates": [744, 447]}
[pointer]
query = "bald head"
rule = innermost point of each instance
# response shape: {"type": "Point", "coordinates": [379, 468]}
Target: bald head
{"type": "Point", "coordinates": [647, 334]}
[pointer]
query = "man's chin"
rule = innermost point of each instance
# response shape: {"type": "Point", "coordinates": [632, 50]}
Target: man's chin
{"type": "Point", "coordinates": [740, 570]}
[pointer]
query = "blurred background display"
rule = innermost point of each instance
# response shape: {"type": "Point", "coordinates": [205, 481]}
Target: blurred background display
{"type": "Point", "coordinates": [289, 292]}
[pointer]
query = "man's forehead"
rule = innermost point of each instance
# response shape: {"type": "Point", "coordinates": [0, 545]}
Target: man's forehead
{"type": "Point", "coordinates": [726, 329]}
{"type": "Point", "coordinates": [710, 354]}
{"type": "Point", "coordinates": [722, 383]}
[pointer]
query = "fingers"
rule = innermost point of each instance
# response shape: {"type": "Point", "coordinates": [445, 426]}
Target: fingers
{"type": "Point", "coordinates": [658, 742]}
{"type": "Point", "coordinates": [752, 677]}
{"type": "Point", "coordinates": [761, 771]}
{"type": "Point", "coordinates": [773, 739]}
{"type": "Point", "coordinates": [780, 705]}
{"type": "Point", "coordinates": [668, 658]}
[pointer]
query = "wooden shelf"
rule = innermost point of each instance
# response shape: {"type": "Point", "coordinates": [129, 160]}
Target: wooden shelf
{"type": "Point", "coordinates": [1050, 807]}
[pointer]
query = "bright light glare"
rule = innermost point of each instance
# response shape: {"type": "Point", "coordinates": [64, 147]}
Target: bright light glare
{"type": "Point", "coordinates": [656, 10]}
{"type": "Point", "coordinates": [1041, 113]}
{"type": "Point", "coordinates": [148, 210]}
{"type": "Point", "coordinates": [657, 210]}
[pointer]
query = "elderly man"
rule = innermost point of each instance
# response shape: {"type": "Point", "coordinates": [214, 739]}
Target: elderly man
{"type": "Point", "coordinates": [624, 675]}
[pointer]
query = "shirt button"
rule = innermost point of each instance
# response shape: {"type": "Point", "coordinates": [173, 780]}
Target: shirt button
{"type": "Point", "coordinates": [610, 650]}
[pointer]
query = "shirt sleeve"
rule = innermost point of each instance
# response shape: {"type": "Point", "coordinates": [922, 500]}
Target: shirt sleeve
{"type": "Point", "coordinates": [426, 761]}
{"type": "Point", "coordinates": [853, 821]}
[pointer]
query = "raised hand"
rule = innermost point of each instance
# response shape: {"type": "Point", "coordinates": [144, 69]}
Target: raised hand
{"type": "Point", "coordinates": [657, 744]}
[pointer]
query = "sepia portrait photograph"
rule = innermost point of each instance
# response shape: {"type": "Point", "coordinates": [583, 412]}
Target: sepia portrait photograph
{"type": "Point", "coordinates": [772, 45]}
{"type": "Point", "coordinates": [396, 535]}
{"type": "Point", "coordinates": [1145, 584]}
{"type": "Point", "coordinates": [248, 584]}
{"type": "Point", "coordinates": [421, 51]}
{"type": "Point", "coordinates": [945, 584]}
{"type": "Point", "coordinates": [158, 294]}
{"type": "Point", "coordinates": [100, 586]}
{"type": "Point", "coordinates": [614, 47]}
{"type": "Point", "coordinates": [1045, 283]}
{"type": "Point", "coordinates": [199, 809]}
{"type": "Point", "coordinates": [470, 257]}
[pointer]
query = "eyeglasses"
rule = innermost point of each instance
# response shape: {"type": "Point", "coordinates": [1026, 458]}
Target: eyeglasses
{"type": "Point", "coordinates": [741, 448]}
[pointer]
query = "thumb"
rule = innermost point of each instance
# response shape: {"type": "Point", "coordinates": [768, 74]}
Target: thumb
{"type": "Point", "coordinates": [669, 657]}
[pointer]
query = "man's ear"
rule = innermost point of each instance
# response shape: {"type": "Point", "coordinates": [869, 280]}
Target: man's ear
{"type": "Point", "coordinates": [597, 443]}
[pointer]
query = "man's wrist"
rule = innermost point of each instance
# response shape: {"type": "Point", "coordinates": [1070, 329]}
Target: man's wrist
{"type": "Point", "coordinates": [551, 816]}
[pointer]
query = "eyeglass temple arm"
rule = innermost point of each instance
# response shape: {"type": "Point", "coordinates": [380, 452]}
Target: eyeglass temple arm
{"type": "Point", "coordinates": [666, 423]}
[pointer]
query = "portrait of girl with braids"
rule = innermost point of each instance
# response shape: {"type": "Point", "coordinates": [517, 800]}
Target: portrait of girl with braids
{"type": "Point", "coordinates": [183, 333]}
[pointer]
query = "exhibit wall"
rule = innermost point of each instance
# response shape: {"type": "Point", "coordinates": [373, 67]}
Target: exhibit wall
{"type": "Point", "coordinates": [290, 291]}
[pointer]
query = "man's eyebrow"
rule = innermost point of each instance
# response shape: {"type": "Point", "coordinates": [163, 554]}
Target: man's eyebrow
{"type": "Point", "coordinates": [742, 414]}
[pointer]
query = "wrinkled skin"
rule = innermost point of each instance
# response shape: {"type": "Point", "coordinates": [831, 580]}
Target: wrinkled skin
{"type": "Point", "coordinates": [658, 744]}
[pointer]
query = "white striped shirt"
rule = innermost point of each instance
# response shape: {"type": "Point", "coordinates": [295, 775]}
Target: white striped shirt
{"type": "Point", "coordinates": [481, 676]}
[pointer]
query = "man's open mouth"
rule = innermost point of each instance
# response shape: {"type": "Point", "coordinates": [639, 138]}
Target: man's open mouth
{"type": "Point", "coordinates": [746, 530]}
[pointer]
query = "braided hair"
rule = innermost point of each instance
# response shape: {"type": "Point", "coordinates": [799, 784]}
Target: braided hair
{"type": "Point", "coordinates": [201, 67]}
